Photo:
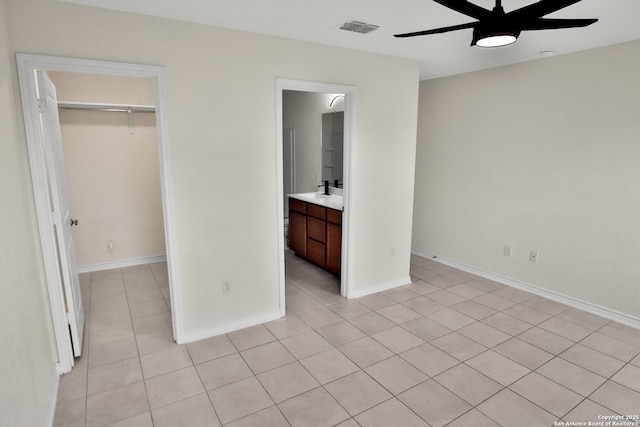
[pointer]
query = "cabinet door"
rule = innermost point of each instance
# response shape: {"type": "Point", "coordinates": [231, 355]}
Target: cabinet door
{"type": "Point", "coordinates": [315, 252]}
{"type": "Point", "coordinates": [298, 233]}
{"type": "Point", "coordinates": [334, 247]}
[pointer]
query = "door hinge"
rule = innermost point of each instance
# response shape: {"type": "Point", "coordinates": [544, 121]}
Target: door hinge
{"type": "Point", "coordinates": [42, 105]}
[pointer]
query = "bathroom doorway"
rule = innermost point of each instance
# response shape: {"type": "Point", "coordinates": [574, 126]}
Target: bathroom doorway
{"type": "Point", "coordinates": [336, 97]}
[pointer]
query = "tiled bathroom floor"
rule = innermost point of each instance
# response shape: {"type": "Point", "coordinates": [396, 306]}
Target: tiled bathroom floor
{"type": "Point", "coordinates": [451, 349]}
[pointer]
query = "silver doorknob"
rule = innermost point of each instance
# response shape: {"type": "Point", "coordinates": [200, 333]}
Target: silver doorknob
{"type": "Point", "coordinates": [74, 222]}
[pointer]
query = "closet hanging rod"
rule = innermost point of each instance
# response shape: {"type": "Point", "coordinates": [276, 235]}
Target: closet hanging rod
{"type": "Point", "coordinates": [106, 107]}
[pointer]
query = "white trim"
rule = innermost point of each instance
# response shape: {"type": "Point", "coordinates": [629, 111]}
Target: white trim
{"type": "Point", "coordinates": [380, 287]}
{"type": "Point", "coordinates": [120, 264]}
{"type": "Point", "coordinates": [596, 309]}
{"type": "Point", "coordinates": [53, 396]}
{"type": "Point", "coordinates": [27, 65]}
{"type": "Point", "coordinates": [348, 165]}
{"type": "Point", "coordinates": [232, 326]}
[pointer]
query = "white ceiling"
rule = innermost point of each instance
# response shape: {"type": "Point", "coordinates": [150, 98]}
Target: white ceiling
{"type": "Point", "coordinates": [439, 55]}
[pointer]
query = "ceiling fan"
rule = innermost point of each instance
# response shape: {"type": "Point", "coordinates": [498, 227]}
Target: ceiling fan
{"type": "Point", "coordinates": [495, 28]}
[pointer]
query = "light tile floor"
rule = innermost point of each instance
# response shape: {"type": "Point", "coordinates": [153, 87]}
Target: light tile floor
{"type": "Point", "coordinates": [450, 349]}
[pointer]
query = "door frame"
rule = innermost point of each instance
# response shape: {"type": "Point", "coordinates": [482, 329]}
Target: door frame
{"type": "Point", "coordinates": [349, 144]}
{"type": "Point", "coordinates": [27, 65]}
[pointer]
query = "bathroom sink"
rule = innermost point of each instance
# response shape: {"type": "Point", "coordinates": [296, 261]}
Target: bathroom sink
{"type": "Point", "coordinates": [332, 201]}
{"type": "Point", "coordinates": [327, 196]}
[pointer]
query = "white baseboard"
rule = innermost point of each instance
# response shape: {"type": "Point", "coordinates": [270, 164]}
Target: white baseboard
{"type": "Point", "coordinates": [230, 327]}
{"type": "Point", "coordinates": [53, 396]}
{"type": "Point", "coordinates": [120, 264]}
{"type": "Point", "coordinates": [379, 287]}
{"type": "Point", "coordinates": [598, 310]}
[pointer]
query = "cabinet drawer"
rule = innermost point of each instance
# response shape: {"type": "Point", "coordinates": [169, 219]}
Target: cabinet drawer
{"type": "Point", "coordinates": [297, 206]}
{"type": "Point", "coordinates": [316, 211]}
{"type": "Point", "coordinates": [316, 229]}
{"type": "Point", "coordinates": [315, 252]}
{"type": "Point", "coordinates": [334, 216]}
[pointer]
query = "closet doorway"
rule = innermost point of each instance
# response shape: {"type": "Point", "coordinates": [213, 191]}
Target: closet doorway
{"type": "Point", "coordinates": [108, 129]}
{"type": "Point", "coordinates": [59, 68]}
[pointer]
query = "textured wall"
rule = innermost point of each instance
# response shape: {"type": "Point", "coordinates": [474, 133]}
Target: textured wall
{"type": "Point", "coordinates": [221, 93]}
{"type": "Point", "coordinates": [28, 355]}
{"type": "Point", "coordinates": [542, 156]}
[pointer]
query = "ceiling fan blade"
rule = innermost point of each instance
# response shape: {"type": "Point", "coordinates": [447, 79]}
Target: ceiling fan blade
{"type": "Point", "coordinates": [552, 24]}
{"type": "Point", "coordinates": [438, 30]}
{"type": "Point", "coordinates": [539, 9]}
{"type": "Point", "coordinates": [466, 8]}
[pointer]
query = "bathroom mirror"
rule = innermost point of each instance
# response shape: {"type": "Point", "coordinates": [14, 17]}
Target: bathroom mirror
{"type": "Point", "coordinates": [313, 124]}
{"type": "Point", "coordinates": [332, 148]}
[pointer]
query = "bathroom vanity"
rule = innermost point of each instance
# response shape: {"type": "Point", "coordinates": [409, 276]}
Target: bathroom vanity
{"type": "Point", "coordinates": [315, 229]}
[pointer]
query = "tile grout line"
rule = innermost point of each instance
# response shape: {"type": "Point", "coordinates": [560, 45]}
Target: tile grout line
{"type": "Point", "coordinates": [447, 277]}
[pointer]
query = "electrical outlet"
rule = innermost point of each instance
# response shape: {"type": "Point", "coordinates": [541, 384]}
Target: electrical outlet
{"type": "Point", "coordinates": [533, 256]}
{"type": "Point", "coordinates": [226, 287]}
{"type": "Point", "coordinates": [508, 250]}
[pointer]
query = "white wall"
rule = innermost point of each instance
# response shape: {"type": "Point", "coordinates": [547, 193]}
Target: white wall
{"type": "Point", "coordinates": [303, 111]}
{"type": "Point", "coordinates": [543, 156]}
{"type": "Point", "coordinates": [221, 91]}
{"type": "Point", "coordinates": [113, 176]}
{"type": "Point", "coordinates": [28, 356]}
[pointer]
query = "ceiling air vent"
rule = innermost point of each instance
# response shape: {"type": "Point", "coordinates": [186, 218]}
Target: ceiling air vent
{"type": "Point", "coordinates": [359, 27]}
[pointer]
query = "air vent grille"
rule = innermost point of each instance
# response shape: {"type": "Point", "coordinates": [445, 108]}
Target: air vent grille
{"type": "Point", "coordinates": [359, 27]}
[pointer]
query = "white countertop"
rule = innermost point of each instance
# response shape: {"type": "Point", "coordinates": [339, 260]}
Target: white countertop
{"type": "Point", "coordinates": [332, 201]}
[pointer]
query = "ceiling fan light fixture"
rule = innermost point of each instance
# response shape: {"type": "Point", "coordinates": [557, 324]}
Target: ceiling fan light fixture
{"type": "Point", "coordinates": [495, 28]}
{"type": "Point", "coordinates": [492, 37]}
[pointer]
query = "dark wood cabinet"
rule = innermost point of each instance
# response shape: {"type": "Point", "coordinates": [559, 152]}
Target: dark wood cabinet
{"type": "Point", "coordinates": [316, 229]}
{"type": "Point", "coordinates": [334, 241]}
{"type": "Point", "coordinates": [333, 248]}
{"type": "Point", "coordinates": [315, 234]}
{"type": "Point", "coordinates": [316, 252]}
{"type": "Point", "coordinates": [298, 227]}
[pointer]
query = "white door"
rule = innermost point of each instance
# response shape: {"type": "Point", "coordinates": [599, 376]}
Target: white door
{"type": "Point", "coordinates": [60, 213]}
